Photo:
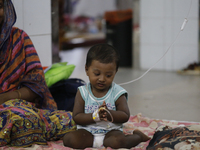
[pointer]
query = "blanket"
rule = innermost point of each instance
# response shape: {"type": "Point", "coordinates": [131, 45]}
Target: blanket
{"type": "Point", "coordinates": [147, 125]}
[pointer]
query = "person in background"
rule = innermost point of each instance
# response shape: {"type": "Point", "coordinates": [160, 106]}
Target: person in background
{"type": "Point", "coordinates": [28, 112]}
{"type": "Point", "coordinates": [101, 107]}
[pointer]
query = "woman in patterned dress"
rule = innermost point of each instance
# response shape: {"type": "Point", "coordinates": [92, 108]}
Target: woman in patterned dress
{"type": "Point", "coordinates": [28, 112]}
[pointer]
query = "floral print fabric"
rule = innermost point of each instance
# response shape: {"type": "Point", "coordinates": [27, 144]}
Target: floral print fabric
{"type": "Point", "coordinates": [22, 124]}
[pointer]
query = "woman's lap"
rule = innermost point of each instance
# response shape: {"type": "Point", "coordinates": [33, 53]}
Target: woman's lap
{"type": "Point", "coordinates": [21, 124]}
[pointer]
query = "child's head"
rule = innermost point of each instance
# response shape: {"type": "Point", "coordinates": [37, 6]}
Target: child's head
{"type": "Point", "coordinates": [103, 53]}
{"type": "Point", "coordinates": [101, 66]}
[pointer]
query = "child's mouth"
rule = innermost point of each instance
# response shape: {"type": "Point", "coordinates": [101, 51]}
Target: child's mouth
{"type": "Point", "coordinates": [100, 85]}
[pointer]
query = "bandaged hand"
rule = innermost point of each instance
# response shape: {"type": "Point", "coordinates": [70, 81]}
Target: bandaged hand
{"type": "Point", "coordinates": [102, 113]}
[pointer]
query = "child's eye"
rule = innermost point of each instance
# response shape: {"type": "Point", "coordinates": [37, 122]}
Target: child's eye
{"type": "Point", "coordinates": [108, 76]}
{"type": "Point", "coordinates": [96, 74]}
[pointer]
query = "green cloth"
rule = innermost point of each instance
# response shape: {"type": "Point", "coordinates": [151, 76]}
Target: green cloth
{"type": "Point", "coordinates": [57, 72]}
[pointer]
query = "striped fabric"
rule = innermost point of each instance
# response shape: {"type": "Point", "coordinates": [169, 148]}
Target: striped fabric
{"type": "Point", "coordinates": [23, 123]}
{"type": "Point", "coordinates": [22, 67]}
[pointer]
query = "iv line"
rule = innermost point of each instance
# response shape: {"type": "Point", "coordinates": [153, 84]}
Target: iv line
{"type": "Point", "coordinates": [181, 29]}
{"type": "Point", "coordinates": [153, 65]}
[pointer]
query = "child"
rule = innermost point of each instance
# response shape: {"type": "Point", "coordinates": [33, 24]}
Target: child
{"type": "Point", "coordinates": [101, 107]}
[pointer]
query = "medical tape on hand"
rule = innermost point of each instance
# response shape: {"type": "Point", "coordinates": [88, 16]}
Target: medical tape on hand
{"type": "Point", "coordinates": [95, 116]}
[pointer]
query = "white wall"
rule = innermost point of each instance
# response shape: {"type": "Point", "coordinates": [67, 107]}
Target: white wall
{"type": "Point", "coordinates": [34, 17]}
{"type": "Point", "coordinates": [160, 22]}
{"type": "Point", "coordinates": [94, 8]}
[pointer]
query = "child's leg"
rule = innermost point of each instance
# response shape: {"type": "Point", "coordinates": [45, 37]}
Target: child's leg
{"type": "Point", "coordinates": [78, 139]}
{"type": "Point", "coordinates": [117, 139]}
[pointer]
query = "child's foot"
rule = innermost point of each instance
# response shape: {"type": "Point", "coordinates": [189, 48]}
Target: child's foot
{"type": "Point", "coordinates": [143, 136]}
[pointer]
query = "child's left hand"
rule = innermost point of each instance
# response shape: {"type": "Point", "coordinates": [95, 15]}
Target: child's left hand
{"type": "Point", "coordinates": [102, 112]}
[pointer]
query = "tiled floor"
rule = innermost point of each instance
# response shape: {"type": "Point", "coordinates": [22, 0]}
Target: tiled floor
{"type": "Point", "coordinates": [159, 94]}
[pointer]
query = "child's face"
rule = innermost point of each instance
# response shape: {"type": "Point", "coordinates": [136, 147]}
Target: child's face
{"type": "Point", "coordinates": [101, 75]}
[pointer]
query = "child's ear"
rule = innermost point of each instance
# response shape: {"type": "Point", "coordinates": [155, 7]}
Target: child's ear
{"type": "Point", "coordinates": [86, 70]}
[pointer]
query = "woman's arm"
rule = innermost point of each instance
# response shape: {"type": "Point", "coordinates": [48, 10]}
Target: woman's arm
{"type": "Point", "coordinates": [79, 115]}
{"type": "Point", "coordinates": [23, 93]}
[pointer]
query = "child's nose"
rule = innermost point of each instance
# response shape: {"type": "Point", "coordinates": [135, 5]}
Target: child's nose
{"type": "Point", "coordinates": [102, 78]}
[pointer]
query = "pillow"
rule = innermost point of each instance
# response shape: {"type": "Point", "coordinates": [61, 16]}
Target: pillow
{"type": "Point", "coordinates": [57, 72]}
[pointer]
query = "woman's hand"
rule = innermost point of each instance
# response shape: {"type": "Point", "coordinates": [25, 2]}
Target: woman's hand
{"type": "Point", "coordinates": [23, 93]}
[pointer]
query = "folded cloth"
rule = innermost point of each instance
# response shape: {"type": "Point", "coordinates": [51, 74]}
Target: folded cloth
{"type": "Point", "coordinates": [187, 137]}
